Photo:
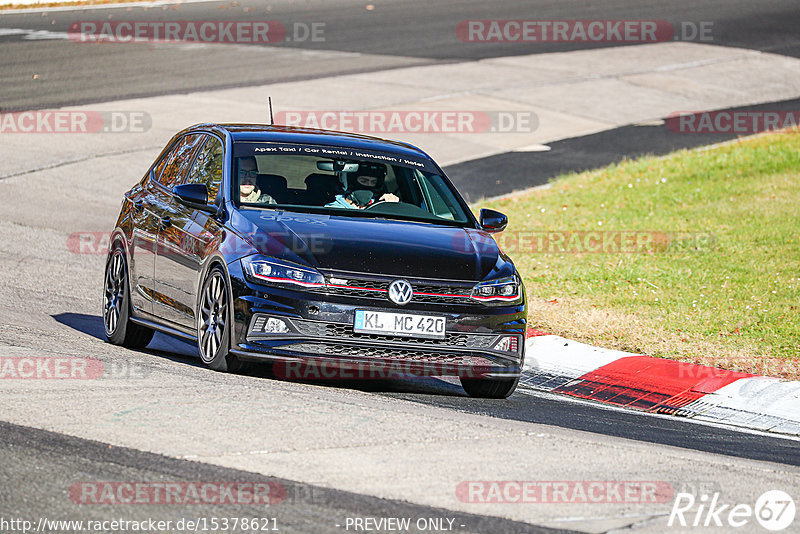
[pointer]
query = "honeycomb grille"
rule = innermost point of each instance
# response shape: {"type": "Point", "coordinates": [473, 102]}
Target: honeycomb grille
{"type": "Point", "coordinates": [345, 331]}
{"type": "Point", "coordinates": [335, 349]}
{"type": "Point", "coordinates": [440, 299]}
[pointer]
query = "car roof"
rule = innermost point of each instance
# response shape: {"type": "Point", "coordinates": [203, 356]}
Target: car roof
{"type": "Point", "coordinates": [311, 136]}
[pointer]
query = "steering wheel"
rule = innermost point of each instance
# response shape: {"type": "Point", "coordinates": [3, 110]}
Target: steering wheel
{"type": "Point", "coordinates": [377, 203]}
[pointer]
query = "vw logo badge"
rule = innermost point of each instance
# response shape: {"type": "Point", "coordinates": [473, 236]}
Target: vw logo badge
{"type": "Point", "coordinates": [400, 292]}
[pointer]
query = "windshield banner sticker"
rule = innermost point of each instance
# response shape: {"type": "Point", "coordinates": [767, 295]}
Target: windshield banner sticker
{"type": "Point", "coordinates": [343, 152]}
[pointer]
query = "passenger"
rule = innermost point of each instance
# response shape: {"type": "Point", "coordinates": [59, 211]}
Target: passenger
{"type": "Point", "coordinates": [363, 192]}
{"type": "Point", "coordinates": [248, 190]}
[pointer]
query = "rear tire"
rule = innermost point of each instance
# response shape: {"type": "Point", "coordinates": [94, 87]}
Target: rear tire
{"type": "Point", "coordinates": [119, 329]}
{"type": "Point", "coordinates": [213, 324]}
{"type": "Point", "coordinates": [486, 388]}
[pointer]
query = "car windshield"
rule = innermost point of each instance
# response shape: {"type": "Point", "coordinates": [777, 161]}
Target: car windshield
{"type": "Point", "coordinates": [343, 181]}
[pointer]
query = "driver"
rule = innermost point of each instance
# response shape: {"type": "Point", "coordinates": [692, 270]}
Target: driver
{"type": "Point", "coordinates": [364, 191]}
{"type": "Point", "coordinates": [248, 185]}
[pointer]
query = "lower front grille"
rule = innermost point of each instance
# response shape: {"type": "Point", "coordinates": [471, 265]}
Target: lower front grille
{"type": "Point", "coordinates": [345, 331]}
{"type": "Point", "coordinates": [334, 349]}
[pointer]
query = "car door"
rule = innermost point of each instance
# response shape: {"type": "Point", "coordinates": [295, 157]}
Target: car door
{"type": "Point", "coordinates": [145, 237]}
{"type": "Point", "coordinates": [183, 240]}
{"type": "Point", "coordinates": [172, 221]}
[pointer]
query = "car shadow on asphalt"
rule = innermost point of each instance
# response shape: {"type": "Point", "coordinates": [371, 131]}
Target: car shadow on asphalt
{"type": "Point", "coordinates": [162, 345]}
{"type": "Point", "coordinates": [82, 322]}
{"type": "Point", "coordinates": [420, 385]}
{"type": "Point", "coordinates": [180, 351]}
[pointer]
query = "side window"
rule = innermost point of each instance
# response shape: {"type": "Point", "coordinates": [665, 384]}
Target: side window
{"type": "Point", "coordinates": [177, 161]}
{"type": "Point", "coordinates": [207, 167]}
{"type": "Point", "coordinates": [159, 168]}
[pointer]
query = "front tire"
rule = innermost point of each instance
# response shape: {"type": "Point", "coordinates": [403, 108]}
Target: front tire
{"type": "Point", "coordinates": [485, 388]}
{"type": "Point", "coordinates": [118, 327]}
{"type": "Point", "coordinates": [214, 324]}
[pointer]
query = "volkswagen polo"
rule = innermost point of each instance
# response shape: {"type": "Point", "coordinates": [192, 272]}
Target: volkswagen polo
{"type": "Point", "coordinates": [299, 245]}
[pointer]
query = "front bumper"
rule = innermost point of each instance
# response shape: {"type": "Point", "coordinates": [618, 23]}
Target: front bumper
{"type": "Point", "coordinates": [320, 331]}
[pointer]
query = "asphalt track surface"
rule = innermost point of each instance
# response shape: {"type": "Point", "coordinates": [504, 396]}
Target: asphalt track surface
{"type": "Point", "coordinates": [42, 464]}
{"type": "Point", "coordinates": [528, 406]}
{"type": "Point", "coordinates": [533, 407]}
{"type": "Point", "coordinates": [547, 409]}
{"type": "Point", "coordinates": [393, 34]}
{"type": "Point", "coordinates": [367, 40]}
{"type": "Point", "coordinates": [69, 460]}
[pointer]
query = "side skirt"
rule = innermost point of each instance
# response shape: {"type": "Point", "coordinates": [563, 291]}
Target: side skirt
{"type": "Point", "coordinates": [164, 329]}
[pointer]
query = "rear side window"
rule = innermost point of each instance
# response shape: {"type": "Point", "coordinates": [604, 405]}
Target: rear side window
{"type": "Point", "coordinates": [207, 168]}
{"type": "Point", "coordinates": [174, 166]}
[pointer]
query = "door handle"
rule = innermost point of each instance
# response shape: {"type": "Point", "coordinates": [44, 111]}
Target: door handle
{"type": "Point", "coordinates": [166, 222]}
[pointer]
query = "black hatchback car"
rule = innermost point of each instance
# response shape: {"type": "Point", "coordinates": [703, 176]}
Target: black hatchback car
{"type": "Point", "coordinates": [302, 246]}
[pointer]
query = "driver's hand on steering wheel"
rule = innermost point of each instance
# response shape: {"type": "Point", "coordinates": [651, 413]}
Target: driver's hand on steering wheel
{"type": "Point", "coordinates": [389, 197]}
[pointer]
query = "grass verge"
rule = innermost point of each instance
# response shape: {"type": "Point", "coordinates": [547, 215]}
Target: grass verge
{"type": "Point", "coordinates": [693, 256]}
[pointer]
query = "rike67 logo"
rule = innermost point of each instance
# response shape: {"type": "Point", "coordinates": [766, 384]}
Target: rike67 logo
{"type": "Point", "coordinates": [774, 510]}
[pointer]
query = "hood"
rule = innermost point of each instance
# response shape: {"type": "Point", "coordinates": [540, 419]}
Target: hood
{"type": "Point", "coordinates": [363, 245]}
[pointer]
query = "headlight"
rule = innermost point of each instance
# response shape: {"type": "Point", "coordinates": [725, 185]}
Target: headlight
{"type": "Point", "coordinates": [277, 272]}
{"type": "Point", "coordinates": [502, 290]}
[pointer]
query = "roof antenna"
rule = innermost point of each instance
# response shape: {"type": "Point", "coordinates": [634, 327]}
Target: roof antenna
{"type": "Point", "coordinates": [271, 119]}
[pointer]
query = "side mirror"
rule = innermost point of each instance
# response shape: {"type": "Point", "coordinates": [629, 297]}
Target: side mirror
{"type": "Point", "coordinates": [194, 196]}
{"type": "Point", "coordinates": [493, 221]}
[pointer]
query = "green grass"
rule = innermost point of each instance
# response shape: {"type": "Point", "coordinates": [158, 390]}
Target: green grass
{"type": "Point", "coordinates": [725, 283]}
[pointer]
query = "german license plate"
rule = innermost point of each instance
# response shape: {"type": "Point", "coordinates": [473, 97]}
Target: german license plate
{"type": "Point", "coordinates": [399, 324]}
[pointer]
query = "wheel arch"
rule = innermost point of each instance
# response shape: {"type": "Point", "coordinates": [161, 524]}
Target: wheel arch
{"type": "Point", "coordinates": [118, 237]}
{"type": "Point", "coordinates": [212, 261]}
{"type": "Point", "coordinates": [215, 260]}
